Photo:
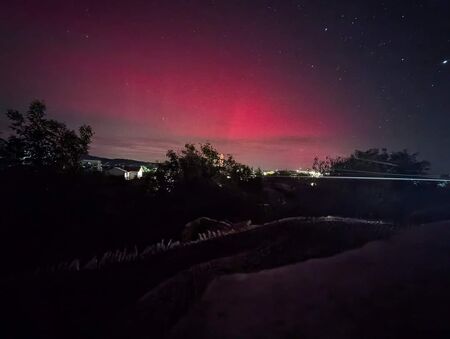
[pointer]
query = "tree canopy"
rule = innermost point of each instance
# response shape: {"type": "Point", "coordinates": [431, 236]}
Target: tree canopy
{"type": "Point", "coordinates": [193, 165]}
{"type": "Point", "coordinates": [40, 142]}
{"type": "Point", "coordinates": [374, 161]}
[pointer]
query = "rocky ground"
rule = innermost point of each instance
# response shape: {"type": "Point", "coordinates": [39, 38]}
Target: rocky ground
{"type": "Point", "coordinates": [149, 296]}
{"type": "Point", "coordinates": [271, 245]}
{"type": "Point", "coordinates": [390, 288]}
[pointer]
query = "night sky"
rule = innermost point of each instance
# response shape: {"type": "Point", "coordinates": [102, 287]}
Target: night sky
{"type": "Point", "coordinates": [273, 82]}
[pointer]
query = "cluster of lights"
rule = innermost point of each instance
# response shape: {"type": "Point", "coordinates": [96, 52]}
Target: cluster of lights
{"type": "Point", "coordinates": [311, 173]}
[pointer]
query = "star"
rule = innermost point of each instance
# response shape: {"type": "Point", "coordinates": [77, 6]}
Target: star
{"type": "Point", "coordinates": [445, 62]}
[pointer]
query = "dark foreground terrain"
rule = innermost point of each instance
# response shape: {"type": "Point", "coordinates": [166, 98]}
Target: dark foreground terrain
{"type": "Point", "coordinates": [78, 261]}
{"type": "Point", "coordinates": [295, 277]}
{"type": "Point", "coordinates": [147, 297]}
{"type": "Point", "coordinates": [395, 288]}
{"type": "Point", "coordinates": [49, 217]}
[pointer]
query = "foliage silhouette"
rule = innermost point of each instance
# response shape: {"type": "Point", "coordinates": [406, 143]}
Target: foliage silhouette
{"type": "Point", "coordinates": [373, 161]}
{"type": "Point", "coordinates": [41, 142]}
{"type": "Point", "coordinates": [192, 166]}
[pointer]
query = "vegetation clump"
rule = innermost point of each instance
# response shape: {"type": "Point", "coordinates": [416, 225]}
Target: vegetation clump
{"type": "Point", "coordinates": [194, 166]}
{"type": "Point", "coordinates": [40, 142]}
{"type": "Point", "coordinates": [373, 161]}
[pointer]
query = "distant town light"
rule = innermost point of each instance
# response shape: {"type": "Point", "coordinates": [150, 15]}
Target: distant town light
{"type": "Point", "coordinates": [268, 172]}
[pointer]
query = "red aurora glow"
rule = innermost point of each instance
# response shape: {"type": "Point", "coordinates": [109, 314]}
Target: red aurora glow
{"type": "Point", "coordinates": [143, 77]}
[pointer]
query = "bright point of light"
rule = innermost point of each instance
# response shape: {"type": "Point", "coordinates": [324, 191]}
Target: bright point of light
{"type": "Point", "coordinates": [444, 62]}
{"type": "Point", "coordinates": [268, 172]}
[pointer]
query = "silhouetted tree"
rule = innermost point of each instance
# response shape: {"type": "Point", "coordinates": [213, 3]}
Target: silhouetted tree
{"type": "Point", "coordinates": [192, 165]}
{"type": "Point", "coordinates": [373, 161]}
{"type": "Point", "coordinates": [42, 142]}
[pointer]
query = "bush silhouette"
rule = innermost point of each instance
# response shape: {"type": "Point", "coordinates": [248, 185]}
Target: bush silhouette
{"type": "Point", "coordinates": [40, 142]}
{"type": "Point", "coordinates": [203, 166]}
{"type": "Point", "coordinates": [374, 161]}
